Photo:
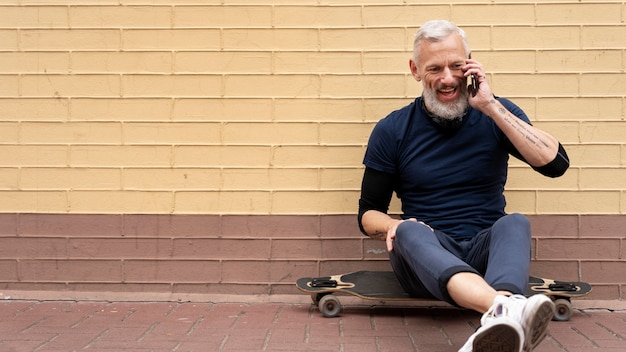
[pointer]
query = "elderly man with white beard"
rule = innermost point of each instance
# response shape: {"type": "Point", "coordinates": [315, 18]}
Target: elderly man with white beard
{"type": "Point", "coordinates": [446, 155]}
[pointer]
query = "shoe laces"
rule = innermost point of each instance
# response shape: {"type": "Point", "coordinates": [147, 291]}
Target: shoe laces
{"type": "Point", "coordinates": [505, 306]}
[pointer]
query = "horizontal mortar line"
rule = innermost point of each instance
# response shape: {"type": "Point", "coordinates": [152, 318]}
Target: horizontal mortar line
{"type": "Point", "coordinates": [582, 261]}
{"type": "Point", "coordinates": [278, 26]}
{"type": "Point", "coordinates": [577, 238]}
{"type": "Point", "coordinates": [580, 189]}
{"type": "Point", "coordinates": [183, 167]}
{"type": "Point", "coordinates": [363, 50]}
{"type": "Point", "coordinates": [273, 50]}
{"type": "Point", "coordinates": [292, 97]}
{"type": "Point", "coordinates": [276, 73]}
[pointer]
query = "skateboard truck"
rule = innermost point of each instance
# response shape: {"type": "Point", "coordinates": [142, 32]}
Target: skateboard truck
{"type": "Point", "coordinates": [562, 286]}
{"type": "Point", "coordinates": [323, 282]}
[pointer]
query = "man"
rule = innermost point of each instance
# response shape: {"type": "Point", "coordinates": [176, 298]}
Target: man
{"type": "Point", "coordinates": [446, 157]}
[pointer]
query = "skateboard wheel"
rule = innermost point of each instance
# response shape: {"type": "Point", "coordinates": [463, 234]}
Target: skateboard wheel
{"type": "Point", "coordinates": [330, 306]}
{"type": "Point", "coordinates": [563, 309]}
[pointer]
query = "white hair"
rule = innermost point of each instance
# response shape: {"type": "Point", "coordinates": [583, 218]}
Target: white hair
{"type": "Point", "coordinates": [435, 31]}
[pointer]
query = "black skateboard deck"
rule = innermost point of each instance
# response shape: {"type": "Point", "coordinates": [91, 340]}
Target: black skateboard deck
{"type": "Point", "coordinates": [383, 286]}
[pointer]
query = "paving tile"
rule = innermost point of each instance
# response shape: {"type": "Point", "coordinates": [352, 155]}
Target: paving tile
{"type": "Point", "coordinates": [396, 343]}
{"type": "Point", "coordinates": [117, 333]}
{"type": "Point", "coordinates": [69, 342]}
{"type": "Point", "coordinates": [549, 345]}
{"type": "Point", "coordinates": [19, 345]}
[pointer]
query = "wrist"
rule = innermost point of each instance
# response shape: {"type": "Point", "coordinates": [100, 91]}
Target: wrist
{"type": "Point", "coordinates": [391, 224]}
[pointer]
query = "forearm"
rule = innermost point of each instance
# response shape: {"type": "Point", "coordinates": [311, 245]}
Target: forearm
{"type": "Point", "coordinates": [377, 224]}
{"type": "Point", "coordinates": [536, 146]}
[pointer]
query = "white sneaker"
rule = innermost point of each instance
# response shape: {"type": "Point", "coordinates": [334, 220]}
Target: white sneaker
{"type": "Point", "coordinates": [534, 314]}
{"type": "Point", "coordinates": [502, 334]}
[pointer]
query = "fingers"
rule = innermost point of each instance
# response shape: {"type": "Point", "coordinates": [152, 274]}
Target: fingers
{"type": "Point", "coordinates": [389, 241]}
{"type": "Point", "coordinates": [479, 89]}
{"type": "Point", "coordinates": [391, 235]}
{"type": "Point", "coordinates": [473, 67]}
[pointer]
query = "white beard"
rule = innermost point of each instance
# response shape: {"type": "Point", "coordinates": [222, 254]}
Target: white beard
{"type": "Point", "coordinates": [447, 111]}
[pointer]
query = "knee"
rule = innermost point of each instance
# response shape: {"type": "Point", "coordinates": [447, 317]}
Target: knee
{"type": "Point", "coordinates": [410, 228]}
{"type": "Point", "coordinates": [514, 220]}
{"type": "Point", "coordinates": [513, 225]}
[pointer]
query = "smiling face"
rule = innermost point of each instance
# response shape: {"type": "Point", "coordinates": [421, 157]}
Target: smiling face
{"type": "Point", "coordinates": [439, 70]}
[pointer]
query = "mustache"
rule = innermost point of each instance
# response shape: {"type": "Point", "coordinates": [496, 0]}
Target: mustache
{"type": "Point", "coordinates": [454, 85]}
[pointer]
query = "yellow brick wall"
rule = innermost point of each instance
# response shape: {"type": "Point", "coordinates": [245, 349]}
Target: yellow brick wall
{"type": "Point", "coordinates": [265, 107]}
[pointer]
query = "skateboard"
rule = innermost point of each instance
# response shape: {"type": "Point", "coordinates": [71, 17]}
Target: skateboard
{"type": "Point", "coordinates": [383, 286]}
{"type": "Point", "coordinates": [560, 292]}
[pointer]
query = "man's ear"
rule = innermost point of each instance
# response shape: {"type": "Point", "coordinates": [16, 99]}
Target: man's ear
{"type": "Point", "coordinates": [414, 70]}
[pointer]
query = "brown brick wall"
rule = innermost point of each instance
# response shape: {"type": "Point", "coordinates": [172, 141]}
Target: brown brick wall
{"type": "Point", "coordinates": [255, 255]}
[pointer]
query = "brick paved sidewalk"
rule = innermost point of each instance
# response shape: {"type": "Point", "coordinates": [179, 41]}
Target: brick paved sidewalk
{"type": "Point", "coordinates": [101, 326]}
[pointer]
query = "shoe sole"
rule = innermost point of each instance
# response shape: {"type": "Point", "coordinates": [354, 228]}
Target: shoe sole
{"type": "Point", "coordinates": [537, 325]}
{"type": "Point", "coordinates": [497, 338]}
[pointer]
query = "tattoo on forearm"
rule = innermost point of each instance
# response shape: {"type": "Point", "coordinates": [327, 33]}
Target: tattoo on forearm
{"type": "Point", "coordinates": [378, 236]}
{"type": "Point", "coordinates": [521, 127]}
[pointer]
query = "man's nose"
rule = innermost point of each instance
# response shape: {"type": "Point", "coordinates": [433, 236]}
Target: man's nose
{"type": "Point", "coordinates": [447, 76]}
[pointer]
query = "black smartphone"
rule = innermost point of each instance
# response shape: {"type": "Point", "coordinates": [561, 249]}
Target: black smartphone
{"type": "Point", "coordinates": [473, 86]}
